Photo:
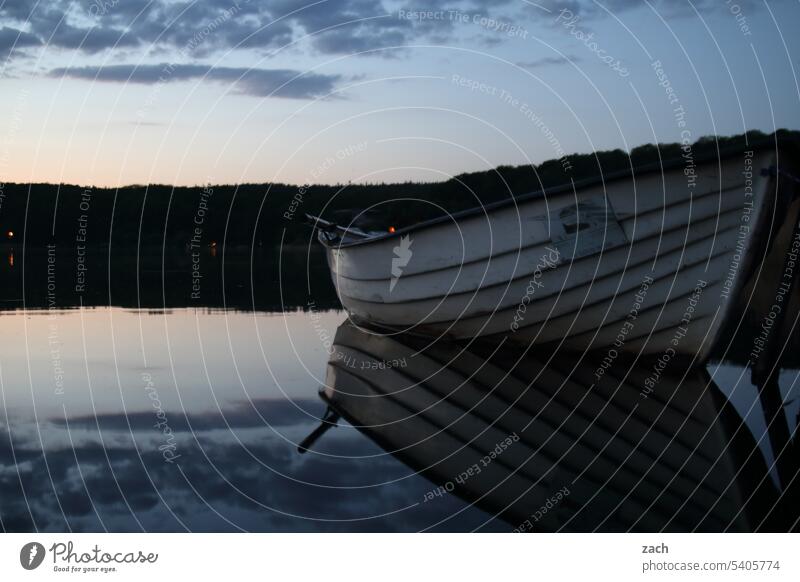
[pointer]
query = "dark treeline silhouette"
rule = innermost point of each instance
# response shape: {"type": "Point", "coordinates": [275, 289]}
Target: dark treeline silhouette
{"type": "Point", "coordinates": [247, 215]}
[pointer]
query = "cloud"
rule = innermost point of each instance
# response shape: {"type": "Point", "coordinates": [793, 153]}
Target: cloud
{"type": "Point", "coordinates": [202, 27]}
{"type": "Point", "coordinates": [353, 26]}
{"type": "Point", "coordinates": [187, 31]}
{"type": "Point", "coordinates": [666, 8]}
{"type": "Point", "coordinates": [286, 83]}
{"type": "Point", "coordinates": [11, 37]}
{"type": "Point", "coordinates": [199, 28]}
{"type": "Point", "coordinates": [547, 61]}
{"type": "Point", "coordinates": [333, 26]}
{"type": "Point", "coordinates": [12, 40]}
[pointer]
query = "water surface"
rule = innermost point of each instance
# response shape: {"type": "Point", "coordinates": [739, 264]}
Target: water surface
{"type": "Point", "coordinates": [94, 397]}
{"type": "Point", "coordinates": [133, 406]}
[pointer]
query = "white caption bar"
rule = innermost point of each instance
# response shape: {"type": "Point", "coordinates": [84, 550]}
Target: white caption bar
{"type": "Point", "coordinates": [400, 557]}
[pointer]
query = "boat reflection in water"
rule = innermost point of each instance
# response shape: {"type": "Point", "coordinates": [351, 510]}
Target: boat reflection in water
{"type": "Point", "coordinates": [554, 443]}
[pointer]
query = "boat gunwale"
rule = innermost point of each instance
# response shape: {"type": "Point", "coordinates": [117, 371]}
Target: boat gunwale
{"type": "Point", "coordinates": [544, 242]}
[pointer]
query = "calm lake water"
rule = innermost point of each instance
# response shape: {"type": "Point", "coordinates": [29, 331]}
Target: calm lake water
{"type": "Point", "coordinates": [84, 391]}
{"type": "Point", "coordinates": [188, 418]}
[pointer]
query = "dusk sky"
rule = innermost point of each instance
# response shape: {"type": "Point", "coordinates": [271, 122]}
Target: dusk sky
{"type": "Point", "coordinates": [115, 92]}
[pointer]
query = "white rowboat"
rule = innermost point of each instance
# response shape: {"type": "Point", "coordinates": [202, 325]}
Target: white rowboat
{"type": "Point", "coordinates": [649, 261]}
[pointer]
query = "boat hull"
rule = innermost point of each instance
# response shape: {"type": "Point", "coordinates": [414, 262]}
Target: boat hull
{"type": "Point", "coordinates": [651, 264]}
